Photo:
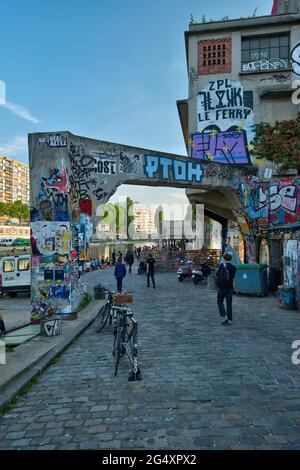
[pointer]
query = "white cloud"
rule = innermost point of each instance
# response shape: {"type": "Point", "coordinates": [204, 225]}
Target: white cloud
{"type": "Point", "coordinates": [16, 147]}
{"type": "Point", "coordinates": [20, 111]}
{"type": "Point", "coordinates": [151, 195]}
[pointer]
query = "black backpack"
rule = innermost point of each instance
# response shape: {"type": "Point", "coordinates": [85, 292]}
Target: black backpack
{"type": "Point", "coordinates": [222, 276]}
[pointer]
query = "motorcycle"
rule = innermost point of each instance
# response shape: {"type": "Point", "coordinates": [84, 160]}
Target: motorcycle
{"type": "Point", "coordinates": [185, 271]}
{"type": "Point", "coordinates": [201, 273]}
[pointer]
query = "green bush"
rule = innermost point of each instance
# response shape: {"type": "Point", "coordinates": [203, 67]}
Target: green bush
{"type": "Point", "coordinates": [85, 300]}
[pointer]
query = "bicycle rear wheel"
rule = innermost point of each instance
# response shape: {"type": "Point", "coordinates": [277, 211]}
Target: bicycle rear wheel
{"type": "Point", "coordinates": [118, 349]}
{"type": "Point", "coordinates": [132, 351]}
{"type": "Point", "coordinates": [101, 318]}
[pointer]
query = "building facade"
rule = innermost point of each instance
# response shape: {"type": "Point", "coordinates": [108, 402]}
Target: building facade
{"type": "Point", "coordinates": [242, 73]}
{"type": "Point", "coordinates": [14, 181]}
{"type": "Point", "coordinates": [14, 231]}
{"type": "Point", "coordinates": [144, 220]}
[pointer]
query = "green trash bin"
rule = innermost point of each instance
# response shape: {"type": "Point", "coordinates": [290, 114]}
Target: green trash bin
{"type": "Point", "coordinates": [251, 279]}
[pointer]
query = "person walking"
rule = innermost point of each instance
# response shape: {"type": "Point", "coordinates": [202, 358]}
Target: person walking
{"type": "Point", "coordinates": [120, 273]}
{"type": "Point", "coordinates": [2, 326]}
{"type": "Point", "coordinates": [130, 257]}
{"type": "Point", "coordinates": [224, 279]}
{"type": "Point", "coordinates": [150, 270]}
{"type": "Point", "coordinates": [113, 256]}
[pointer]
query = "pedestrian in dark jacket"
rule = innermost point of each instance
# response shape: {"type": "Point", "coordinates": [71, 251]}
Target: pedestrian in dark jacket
{"type": "Point", "coordinates": [2, 325]}
{"type": "Point", "coordinates": [225, 290]}
{"type": "Point", "coordinates": [113, 256]}
{"type": "Point", "coordinates": [150, 270]}
{"type": "Point", "coordinates": [120, 273]}
{"type": "Point", "coordinates": [130, 258]}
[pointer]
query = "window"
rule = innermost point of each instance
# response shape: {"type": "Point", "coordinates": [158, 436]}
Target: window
{"type": "Point", "coordinates": [214, 56]}
{"type": "Point", "coordinates": [9, 266]}
{"type": "Point", "coordinates": [23, 264]}
{"type": "Point", "coordinates": [265, 53]}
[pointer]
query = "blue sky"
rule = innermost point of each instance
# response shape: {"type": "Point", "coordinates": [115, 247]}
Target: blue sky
{"type": "Point", "coordinates": [107, 69]}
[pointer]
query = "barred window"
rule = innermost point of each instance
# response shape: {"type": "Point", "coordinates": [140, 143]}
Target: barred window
{"type": "Point", "coordinates": [216, 54]}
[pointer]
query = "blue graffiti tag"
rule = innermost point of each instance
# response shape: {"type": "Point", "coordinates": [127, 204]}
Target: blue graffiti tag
{"type": "Point", "coordinates": [171, 169]}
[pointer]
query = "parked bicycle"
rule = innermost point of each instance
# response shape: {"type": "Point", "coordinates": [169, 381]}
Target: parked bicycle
{"type": "Point", "coordinates": [125, 340]}
{"type": "Point", "coordinates": [105, 311]}
{"type": "Point", "coordinates": [125, 329]}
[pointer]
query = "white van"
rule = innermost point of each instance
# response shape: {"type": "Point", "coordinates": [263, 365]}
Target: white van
{"type": "Point", "coordinates": [15, 274]}
{"type": "Point", "coordinates": [7, 241]}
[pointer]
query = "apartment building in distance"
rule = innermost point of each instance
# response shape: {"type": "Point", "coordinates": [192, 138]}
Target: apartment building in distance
{"type": "Point", "coordinates": [14, 180]}
{"type": "Point", "coordinates": [144, 220]}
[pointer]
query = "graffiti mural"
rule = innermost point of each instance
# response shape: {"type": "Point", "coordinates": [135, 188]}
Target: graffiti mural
{"type": "Point", "coordinates": [57, 179]}
{"type": "Point", "coordinates": [277, 78]}
{"type": "Point", "coordinates": [265, 64]}
{"type": "Point", "coordinates": [226, 124]}
{"type": "Point", "coordinates": [269, 204]}
{"type": "Point", "coordinates": [52, 206]}
{"type": "Point", "coordinates": [170, 169]}
{"type": "Point", "coordinates": [280, 6]}
{"type": "Point", "coordinates": [295, 55]}
{"type": "Point", "coordinates": [222, 147]}
{"type": "Point", "coordinates": [131, 164]}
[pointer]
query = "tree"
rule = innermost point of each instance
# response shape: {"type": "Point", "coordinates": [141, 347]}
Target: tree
{"type": "Point", "coordinates": [119, 216]}
{"type": "Point", "coordinates": [279, 143]}
{"type": "Point", "coordinates": [15, 209]}
{"type": "Point", "coordinates": [159, 217]}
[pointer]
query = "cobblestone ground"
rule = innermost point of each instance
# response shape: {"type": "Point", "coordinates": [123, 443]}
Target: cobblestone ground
{"type": "Point", "coordinates": [205, 386]}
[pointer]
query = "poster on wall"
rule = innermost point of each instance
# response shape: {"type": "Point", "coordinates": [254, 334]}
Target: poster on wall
{"type": "Point", "coordinates": [290, 262]}
{"type": "Point", "coordinates": [49, 238]}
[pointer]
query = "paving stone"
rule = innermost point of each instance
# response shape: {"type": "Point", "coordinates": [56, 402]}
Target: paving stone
{"type": "Point", "coordinates": [15, 435]}
{"type": "Point", "coordinates": [20, 443]}
{"type": "Point", "coordinates": [204, 387]}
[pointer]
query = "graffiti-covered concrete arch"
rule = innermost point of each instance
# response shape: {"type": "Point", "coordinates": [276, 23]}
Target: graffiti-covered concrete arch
{"type": "Point", "coordinates": [70, 176]}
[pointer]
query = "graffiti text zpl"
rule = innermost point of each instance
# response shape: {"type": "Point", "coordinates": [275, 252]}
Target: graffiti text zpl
{"type": "Point", "coordinates": [170, 169]}
{"type": "Point", "coordinates": [224, 97]}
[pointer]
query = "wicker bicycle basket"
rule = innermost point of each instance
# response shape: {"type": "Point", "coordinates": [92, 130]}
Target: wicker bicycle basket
{"type": "Point", "coordinates": [121, 299]}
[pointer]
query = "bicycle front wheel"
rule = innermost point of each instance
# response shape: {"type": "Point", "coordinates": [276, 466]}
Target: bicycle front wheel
{"type": "Point", "coordinates": [119, 349]}
{"type": "Point", "coordinates": [101, 318]}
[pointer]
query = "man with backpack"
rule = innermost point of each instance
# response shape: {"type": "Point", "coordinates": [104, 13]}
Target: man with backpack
{"type": "Point", "coordinates": [224, 280]}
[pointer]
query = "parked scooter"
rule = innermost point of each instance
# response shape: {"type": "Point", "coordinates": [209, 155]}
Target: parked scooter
{"type": "Point", "coordinates": [185, 271]}
{"type": "Point", "coordinates": [201, 273]}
